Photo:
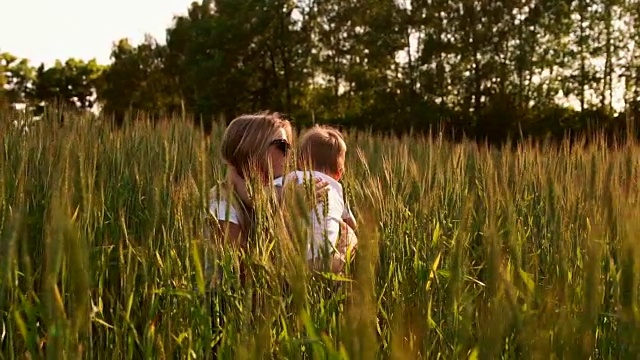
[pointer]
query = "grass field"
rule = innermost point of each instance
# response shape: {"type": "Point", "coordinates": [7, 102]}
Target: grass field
{"type": "Point", "coordinates": [465, 252]}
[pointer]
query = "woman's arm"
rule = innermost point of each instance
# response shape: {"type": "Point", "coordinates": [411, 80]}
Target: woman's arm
{"type": "Point", "coordinates": [229, 236]}
{"type": "Point", "coordinates": [226, 221]}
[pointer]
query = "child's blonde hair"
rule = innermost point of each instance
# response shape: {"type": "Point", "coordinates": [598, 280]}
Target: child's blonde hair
{"type": "Point", "coordinates": [321, 148]}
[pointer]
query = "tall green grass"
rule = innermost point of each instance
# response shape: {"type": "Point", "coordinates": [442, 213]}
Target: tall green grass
{"type": "Point", "coordinates": [465, 252]}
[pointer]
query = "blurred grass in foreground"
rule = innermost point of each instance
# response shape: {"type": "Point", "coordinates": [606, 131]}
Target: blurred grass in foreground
{"type": "Point", "coordinates": [464, 252]}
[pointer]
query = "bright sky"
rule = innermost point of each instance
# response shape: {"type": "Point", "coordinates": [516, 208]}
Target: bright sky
{"type": "Point", "coordinates": [46, 30]}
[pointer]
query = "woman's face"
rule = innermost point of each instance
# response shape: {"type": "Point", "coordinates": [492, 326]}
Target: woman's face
{"type": "Point", "coordinates": [277, 153]}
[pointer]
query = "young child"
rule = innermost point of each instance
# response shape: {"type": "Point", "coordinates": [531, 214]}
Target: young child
{"type": "Point", "coordinates": [322, 150]}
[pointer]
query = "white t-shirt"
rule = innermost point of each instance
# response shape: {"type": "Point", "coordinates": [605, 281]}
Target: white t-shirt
{"type": "Point", "coordinates": [223, 211]}
{"type": "Point", "coordinates": [337, 210]}
{"type": "Point", "coordinates": [325, 218]}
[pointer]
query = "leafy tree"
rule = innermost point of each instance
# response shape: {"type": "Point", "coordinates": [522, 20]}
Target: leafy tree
{"type": "Point", "coordinates": [488, 69]}
{"type": "Point", "coordinates": [71, 83]}
{"type": "Point", "coordinates": [138, 79]}
{"type": "Point", "coordinates": [16, 79]}
{"type": "Point", "coordinates": [232, 56]}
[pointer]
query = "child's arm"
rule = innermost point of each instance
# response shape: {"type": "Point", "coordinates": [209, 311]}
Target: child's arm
{"type": "Point", "coordinates": [351, 222]}
{"type": "Point", "coordinates": [346, 248]}
{"type": "Point", "coordinates": [348, 218]}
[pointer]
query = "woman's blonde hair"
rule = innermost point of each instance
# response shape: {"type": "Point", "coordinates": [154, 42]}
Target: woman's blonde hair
{"type": "Point", "coordinates": [247, 139]}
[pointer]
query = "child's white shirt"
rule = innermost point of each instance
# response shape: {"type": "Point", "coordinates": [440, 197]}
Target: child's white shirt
{"type": "Point", "coordinates": [325, 219]}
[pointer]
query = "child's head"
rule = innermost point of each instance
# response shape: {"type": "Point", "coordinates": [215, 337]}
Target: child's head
{"type": "Point", "coordinates": [324, 149]}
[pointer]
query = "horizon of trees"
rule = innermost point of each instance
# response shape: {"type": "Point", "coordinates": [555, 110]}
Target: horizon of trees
{"type": "Point", "coordinates": [488, 69]}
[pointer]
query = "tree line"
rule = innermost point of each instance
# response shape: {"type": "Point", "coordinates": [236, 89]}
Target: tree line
{"type": "Point", "coordinates": [488, 69]}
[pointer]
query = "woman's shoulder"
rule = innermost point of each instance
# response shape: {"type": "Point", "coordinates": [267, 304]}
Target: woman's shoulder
{"type": "Point", "coordinates": [220, 207]}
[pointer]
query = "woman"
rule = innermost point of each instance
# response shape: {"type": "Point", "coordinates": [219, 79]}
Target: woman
{"type": "Point", "coordinates": [254, 149]}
